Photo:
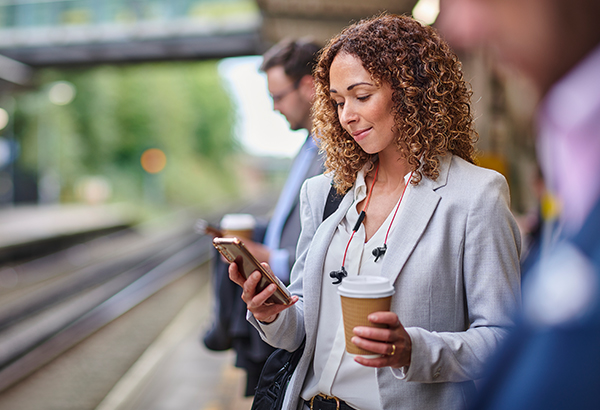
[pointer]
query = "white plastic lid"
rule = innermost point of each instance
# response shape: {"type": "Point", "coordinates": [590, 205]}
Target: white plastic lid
{"type": "Point", "coordinates": [238, 221]}
{"type": "Point", "coordinates": [366, 287]}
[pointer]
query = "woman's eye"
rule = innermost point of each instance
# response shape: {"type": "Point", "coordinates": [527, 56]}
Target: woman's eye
{"type": "Point", "coordinates": [363, 98]}
{"type": "Point", "coordinates": [338, 104]}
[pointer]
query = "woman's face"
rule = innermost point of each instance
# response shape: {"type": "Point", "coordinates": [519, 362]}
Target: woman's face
{"type": "Point", "coordinates": [364, 109]}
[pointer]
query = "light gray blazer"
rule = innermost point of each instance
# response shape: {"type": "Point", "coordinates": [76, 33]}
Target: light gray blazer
{"type": "Point", "coordinates": [454, 263]}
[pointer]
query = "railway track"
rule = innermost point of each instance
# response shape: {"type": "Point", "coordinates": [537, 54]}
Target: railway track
{"type": "Point", "coordinates": [73, 322]}
{"type": "Point", "coordinates": [50, 304]}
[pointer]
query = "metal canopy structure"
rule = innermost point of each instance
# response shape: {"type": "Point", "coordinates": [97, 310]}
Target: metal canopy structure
{"type": "Point", "coordinates": [321, 19]}
{"type": "Point", "coordinates": [43, 33]}
{"type": "Point", "coordinates": [74, 32]}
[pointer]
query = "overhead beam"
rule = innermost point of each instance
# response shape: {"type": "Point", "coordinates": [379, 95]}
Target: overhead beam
{"type": "Point", "coordinates": [182, 39]}
{"type": "Point", "coordinates": [184, 48]}
{"type": "Point", "coordinates": [321, 19]}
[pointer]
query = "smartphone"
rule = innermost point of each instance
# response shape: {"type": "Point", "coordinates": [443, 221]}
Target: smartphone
{"type": "Point", "coordinates": [234, 251]}
{"type": "Point", "coordinates": [203, 227]}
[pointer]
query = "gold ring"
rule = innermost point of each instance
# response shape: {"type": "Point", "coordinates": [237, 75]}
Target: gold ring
{"type": "Point", "coordinates": [393, 350]}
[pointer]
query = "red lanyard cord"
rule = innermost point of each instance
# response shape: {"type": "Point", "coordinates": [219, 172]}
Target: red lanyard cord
{"type": "Point", "coordinates": [396, 211]}
{"type": "Point", "coordinates": [379, 251]}
{"type": "Point", "coordinates": [361, 217]}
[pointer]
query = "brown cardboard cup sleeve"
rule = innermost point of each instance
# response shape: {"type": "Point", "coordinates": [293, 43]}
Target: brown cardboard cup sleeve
{"type": "Point", "coordinates": [361, 296]}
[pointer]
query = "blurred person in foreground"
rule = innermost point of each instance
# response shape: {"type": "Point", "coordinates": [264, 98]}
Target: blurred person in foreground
{"type": "Point", "coordinates": [288, 66]}
{"type": "Point", "coordinates": [392, 113]}
{"type": "Point", "coordinates": [551, 361]}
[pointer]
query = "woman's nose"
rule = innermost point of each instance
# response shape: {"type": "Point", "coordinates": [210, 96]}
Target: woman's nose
{"type": "Point", "coordinates": [347, 114]}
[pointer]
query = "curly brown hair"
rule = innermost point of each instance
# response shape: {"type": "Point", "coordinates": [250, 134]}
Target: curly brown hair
{"type": "Point", "coordinates": [431, 100]}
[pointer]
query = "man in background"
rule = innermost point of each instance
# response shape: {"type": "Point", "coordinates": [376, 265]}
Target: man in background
{"type": "Point", "coordinates": [552, 358]}
{"type": "Point", "coordinates": [288, 66]}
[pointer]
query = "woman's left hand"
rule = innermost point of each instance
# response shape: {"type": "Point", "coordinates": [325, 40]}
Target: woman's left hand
{"type": "Point", "coordinates": [393, 343]}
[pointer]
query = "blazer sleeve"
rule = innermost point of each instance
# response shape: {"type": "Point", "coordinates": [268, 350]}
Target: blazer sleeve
{"type": "Point", "coordinates": [491, 277]}
{"type": "Point", "coordinates": [287, 331]}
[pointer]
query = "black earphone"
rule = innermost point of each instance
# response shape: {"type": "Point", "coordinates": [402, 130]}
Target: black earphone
{"type": "Point", "coordinates": [379, 251]}
{"type": "Point", "coordinates": [338, 275]}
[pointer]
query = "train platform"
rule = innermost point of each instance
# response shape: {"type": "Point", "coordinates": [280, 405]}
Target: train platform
{"type": "Point", "coordinates": [178, 372]}
{"type": "Point", "coordinates": [150, 358]}
{"type": "Point", "coordinates": [39, 224]}
{"type": "Point", "coordinates": [30, 223]}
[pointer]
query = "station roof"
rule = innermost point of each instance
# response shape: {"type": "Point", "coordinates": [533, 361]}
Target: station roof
{"type": "Point", "coordinates": [42, 33]}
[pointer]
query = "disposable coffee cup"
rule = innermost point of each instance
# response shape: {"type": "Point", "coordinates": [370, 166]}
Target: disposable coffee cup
{"type": "Point", "coordinates": [361, 296]}
{"type": "Point", "coordinates": [238, 225]}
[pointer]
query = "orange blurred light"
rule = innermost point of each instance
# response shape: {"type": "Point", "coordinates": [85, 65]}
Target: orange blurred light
{"type": "Point", "coordinates": [153, 160]}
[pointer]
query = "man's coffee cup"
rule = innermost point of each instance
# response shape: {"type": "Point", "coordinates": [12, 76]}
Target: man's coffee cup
{"type": "Point", "coordinates": [361, 296]}
{"type": "Point", "coordinates": [238, 225]}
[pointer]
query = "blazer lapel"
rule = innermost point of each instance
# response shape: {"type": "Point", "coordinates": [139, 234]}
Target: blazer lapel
{"type": "Point", "coordinates": [410, 224]}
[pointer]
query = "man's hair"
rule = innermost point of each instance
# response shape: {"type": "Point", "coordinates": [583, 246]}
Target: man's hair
{"type": "Point", "coordinates": [297, 57]}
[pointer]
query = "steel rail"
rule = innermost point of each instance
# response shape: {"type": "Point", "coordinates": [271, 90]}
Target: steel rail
{"type": "Point", "coordinates": [76, 282]}
{"type": "Point", "coordinates": [36, 340]}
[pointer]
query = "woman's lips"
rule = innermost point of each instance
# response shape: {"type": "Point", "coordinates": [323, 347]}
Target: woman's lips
{"type": "Point", "coordinates": [360, 134]}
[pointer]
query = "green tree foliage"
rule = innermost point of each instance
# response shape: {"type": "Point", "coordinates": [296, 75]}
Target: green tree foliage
{"type": "Point", "coordinates": [119, 112]}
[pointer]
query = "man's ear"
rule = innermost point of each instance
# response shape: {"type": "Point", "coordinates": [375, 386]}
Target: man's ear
{"type": "Point", "coordinates": [307, 87]}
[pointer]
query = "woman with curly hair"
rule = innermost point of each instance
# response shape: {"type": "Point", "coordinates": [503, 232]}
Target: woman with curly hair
{"type": "Point", "coordinates": [392, 116]}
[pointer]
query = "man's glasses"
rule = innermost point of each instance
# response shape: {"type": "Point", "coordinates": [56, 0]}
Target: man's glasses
{"type": "Point", "coordinates": [278, 97]}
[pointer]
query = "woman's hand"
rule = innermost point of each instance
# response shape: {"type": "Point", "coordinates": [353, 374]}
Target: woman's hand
{"type": "Point", "coordinates": [393, 343]}
{"type": "Point", "coordinates": [262, 310]}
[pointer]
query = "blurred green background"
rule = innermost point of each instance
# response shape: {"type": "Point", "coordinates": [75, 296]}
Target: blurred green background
{"type": "Point", "coordinates": [119, 112]}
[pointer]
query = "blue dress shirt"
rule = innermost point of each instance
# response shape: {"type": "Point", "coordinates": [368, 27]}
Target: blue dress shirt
{"type": "Point", "coordinates": [289, 196]}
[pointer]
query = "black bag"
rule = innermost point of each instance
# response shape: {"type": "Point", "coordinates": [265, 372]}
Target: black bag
{"type": "Point", "coordinates": [274, 378]}
{"type": "Point", "coordinates": [280, 366]}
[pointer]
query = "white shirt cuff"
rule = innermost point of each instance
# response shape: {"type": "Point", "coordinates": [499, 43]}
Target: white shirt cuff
{"type": "Point", "coordinates": [399, 373]}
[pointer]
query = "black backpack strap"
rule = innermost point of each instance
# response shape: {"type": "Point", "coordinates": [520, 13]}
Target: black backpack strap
{"type": "Point", "coordinates": [332, 202]}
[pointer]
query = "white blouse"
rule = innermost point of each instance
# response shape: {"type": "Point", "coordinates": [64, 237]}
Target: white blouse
{"type": "Point", "coordinates": [334, 372]}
